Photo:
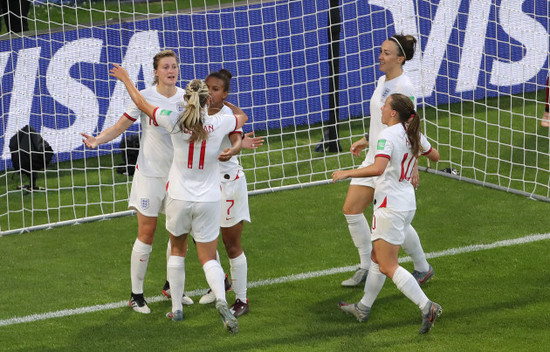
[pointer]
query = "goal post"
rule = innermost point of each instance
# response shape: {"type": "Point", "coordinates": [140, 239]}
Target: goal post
{"type": "Point", "coordinates": [480, 69]}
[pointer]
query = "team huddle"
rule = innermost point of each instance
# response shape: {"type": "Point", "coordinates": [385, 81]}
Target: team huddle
{"type": "Point", "coordinates": [187, 168]}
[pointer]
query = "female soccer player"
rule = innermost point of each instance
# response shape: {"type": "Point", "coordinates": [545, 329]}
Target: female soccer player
{"type": "Point", "coordinates": [193, 189]}
{"type": "Point", "coordinates": [397, 148]}
{"type": "Point", "coordinates": [394, 52]}
{"type": "Point", "coordinates": [234, 197]}
{"type": "Point", "coordinates": [154, 160]}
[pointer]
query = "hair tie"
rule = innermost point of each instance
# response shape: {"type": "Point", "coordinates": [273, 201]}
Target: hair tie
{"type": "Point", "coordinates": [403, 51]}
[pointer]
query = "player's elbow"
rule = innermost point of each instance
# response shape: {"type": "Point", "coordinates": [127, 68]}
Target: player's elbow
{"type": "Point", "coordinates": [434, 156]}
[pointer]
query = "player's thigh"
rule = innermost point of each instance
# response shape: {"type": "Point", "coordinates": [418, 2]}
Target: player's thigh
{"type": "Point", "coordinates": [235, 207]}
{"type": "Point", "coordinates": [205, 226]}
{"type": "Point", "coordinates": [179, 214]}
{"type": "Point", "coordinates": [358, 199]}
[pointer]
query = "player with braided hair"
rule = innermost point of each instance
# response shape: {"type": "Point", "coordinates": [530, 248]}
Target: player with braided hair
{"type": "Point", "coordinates": [397, 149]}
{"type": "Point", "coordinates": [193, 188]}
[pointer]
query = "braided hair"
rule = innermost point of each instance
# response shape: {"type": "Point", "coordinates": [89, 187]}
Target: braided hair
{"type": "Point", "coordinates": [196, 94]}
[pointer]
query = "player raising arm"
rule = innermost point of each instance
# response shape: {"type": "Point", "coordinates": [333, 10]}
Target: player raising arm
{"type": "Point", "coordinates": [193, 189]}
{"type": "Point", "coordinates": [153, 164]}
{"type": "Point", "coordinates": [394, 204]}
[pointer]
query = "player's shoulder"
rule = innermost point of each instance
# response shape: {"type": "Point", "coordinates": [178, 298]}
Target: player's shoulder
{"type": "Point", "coordinates": [149, 90]}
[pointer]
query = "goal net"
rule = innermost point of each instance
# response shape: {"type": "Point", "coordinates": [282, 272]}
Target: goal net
{"type": "Point", "coordinates": [303, 71]}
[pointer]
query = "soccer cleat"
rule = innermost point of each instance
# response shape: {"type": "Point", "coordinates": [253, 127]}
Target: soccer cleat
{"type": "Point", "coordinates": [210, 297]}
{"type": "Point", "coordinates": [186, 300]}
{"type": "Point", "coordinates": [359, 310]}
{"type": "Point", "coordinates": [428, 319]}
{"type": "Point", "coordinates": [357, 279]}
{"type": "Point", "coordinates": [138, 303]}
{"type": "Point", "coordinates": [423, 277]}
{"type": "Point", "coordinates": [228, 319]}
{"type": "Point", "coordinates": [175, 316]}
{"type": "Point", "coordinates": [240, 308]}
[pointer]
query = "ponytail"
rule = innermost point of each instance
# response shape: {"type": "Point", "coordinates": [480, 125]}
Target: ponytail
{"type": "Point", "coordinates": [196, 94]}
{"type": "Point", "coordinates": [413, 132]}
{"type": "Point", "coordinates": [404, 107]}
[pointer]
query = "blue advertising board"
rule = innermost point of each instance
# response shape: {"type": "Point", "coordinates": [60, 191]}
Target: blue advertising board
{"type": "Point", "coordinates": [278, 54]}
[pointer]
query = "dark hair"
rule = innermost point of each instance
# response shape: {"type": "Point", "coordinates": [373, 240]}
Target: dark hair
{"type": "Point", "coordinates": [196, 94]}
{"type": "Point", "coordinates": [404, 107]}
{"type": "Point", "coordinates": [162, 55]}
{"type": "Point", "coordinates": [224, 75]}
{"type": "Point", "coordinates": [406, 45]}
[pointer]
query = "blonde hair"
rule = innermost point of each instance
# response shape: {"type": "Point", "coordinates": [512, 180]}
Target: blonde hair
{"type": "Point", "coordinates": [161, 55]}
{"type": "Point", "coordinates": [196, 94]}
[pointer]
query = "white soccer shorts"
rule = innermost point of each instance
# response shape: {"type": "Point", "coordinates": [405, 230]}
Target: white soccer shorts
{"type": "Point", "coordinates": [234, 201]}
{"type": "Point", "coordinates": [364, 181]}
{"type": "Point", "coordinates": [390, 225]}
{"type": "Point", "coordinates": [199, 219]}
{"type": "Point", "coordinates": [147, 194]}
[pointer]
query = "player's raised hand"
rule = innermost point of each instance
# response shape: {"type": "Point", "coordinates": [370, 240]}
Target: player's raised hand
{"type": "Point", "coordinates": [250, 142]}
{"type": "Point", "coordinates": [119, 72]}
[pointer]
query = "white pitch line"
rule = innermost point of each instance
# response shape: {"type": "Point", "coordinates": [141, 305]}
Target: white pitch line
{"type": "Point", "coordinates": [274, 281]}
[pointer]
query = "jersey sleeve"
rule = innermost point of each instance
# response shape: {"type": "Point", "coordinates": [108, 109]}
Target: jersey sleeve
{"type": "Point", "coordinates": [165, 118]}
{"type": "Point", "coordinates": [132, 112]}
{"type": "Point", "coordinates": [425, 145]}
{"type": "Point", "coordinates": [384, 146]}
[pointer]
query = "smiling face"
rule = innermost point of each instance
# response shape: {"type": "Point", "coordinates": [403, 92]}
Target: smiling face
{"type": "Point", "coordinates": [217, 91]}
{"type": "Point", "coordinates": [167, 71]}
{"type": "Point", "coordinates": [388, 58]}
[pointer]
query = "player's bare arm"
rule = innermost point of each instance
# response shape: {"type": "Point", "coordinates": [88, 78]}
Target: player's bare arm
{"type": "Point", "coordinates": [108, 135]}
{"type": "Point", "coordinates": [121, 74]}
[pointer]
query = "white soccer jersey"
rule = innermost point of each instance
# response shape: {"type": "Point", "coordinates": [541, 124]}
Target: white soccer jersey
{"type": "Point", "coordinates": [393, 189]}
{"type": "Point", "coordinates": [401, 84]}
{"type": "Point", "coordinates": [194, 175]}
{"type": "Point", "coordinates": [230, 167]}
{"type": "Point", "coordinates": [155, 149]}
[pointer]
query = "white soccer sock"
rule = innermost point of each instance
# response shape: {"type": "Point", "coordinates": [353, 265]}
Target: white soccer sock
{"type": "Point", "coordinates": [138, 264]}
{"type": "Point", "coordinates": [413, 248]}
{"type": "Point", "coordinates": [239, 274]}
{"type": "Point", "coordinates": [168, 254]}
{"type": "Point", "coordinates": [360, 234]}
{"type": "Point", "coordinates": [407, 284]}
{"type": "Point", "coordinates": [215, 278]}
{"type": "Point", "coordinates": [373, 285]}
{"type": "Point", "coordinates": [176, 277]}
